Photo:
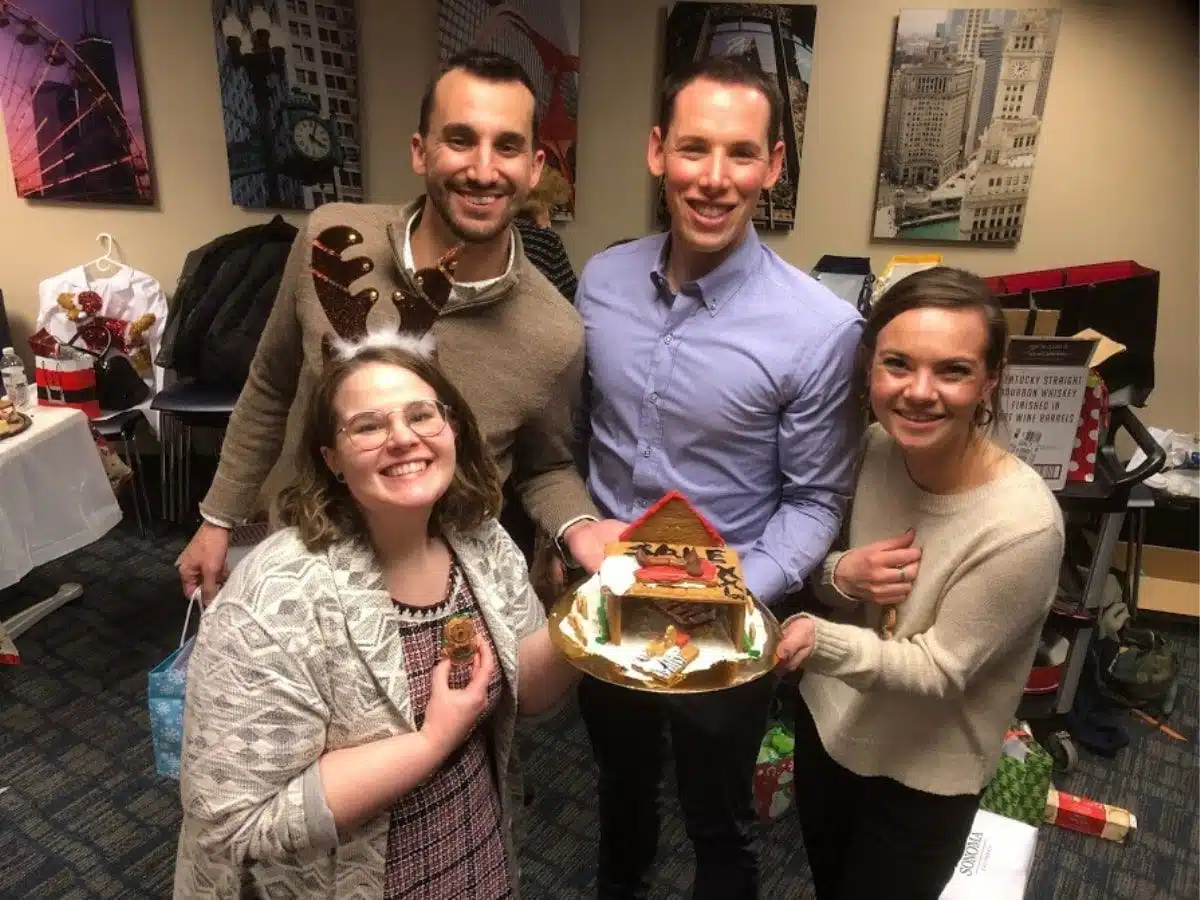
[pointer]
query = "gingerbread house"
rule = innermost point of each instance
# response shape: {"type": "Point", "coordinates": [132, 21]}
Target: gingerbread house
{"type": "Point", "coordinates": [682, 565]}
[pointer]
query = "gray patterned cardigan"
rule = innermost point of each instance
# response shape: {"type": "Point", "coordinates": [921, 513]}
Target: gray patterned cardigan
{"type": "Point", "coordinates": [300, 655]}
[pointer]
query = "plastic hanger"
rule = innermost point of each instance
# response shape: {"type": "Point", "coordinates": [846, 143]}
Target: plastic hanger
{"type": "Point", "coordinates": [104, 263]}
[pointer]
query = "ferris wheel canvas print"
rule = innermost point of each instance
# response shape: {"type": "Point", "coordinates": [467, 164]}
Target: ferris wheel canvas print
{"type": "Point", "coordinates": [72, 103]}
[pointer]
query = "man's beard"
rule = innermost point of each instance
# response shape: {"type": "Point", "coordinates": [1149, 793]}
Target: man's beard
{"type": "Point", "coordinates": [439, 194]}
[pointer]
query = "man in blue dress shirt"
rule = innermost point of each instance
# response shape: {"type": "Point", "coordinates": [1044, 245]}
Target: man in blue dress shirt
{"type": "Point", "coordinates": [719, 370]}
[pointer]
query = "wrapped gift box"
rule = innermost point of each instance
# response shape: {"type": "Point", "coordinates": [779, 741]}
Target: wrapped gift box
{"type": "Point", "coordinates": [1018, 787]}
{"type": "Point", "coordinates": [1089, 816]}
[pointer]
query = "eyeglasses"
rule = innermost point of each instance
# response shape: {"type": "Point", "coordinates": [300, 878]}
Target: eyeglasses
{"type": "Point", "coordinates": [370, 430]}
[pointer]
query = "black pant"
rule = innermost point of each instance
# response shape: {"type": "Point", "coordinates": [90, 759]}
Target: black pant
{"type": "Point", "coordinates": [715, 738]}
{"type": "Point", "coordinates": [874, 837]}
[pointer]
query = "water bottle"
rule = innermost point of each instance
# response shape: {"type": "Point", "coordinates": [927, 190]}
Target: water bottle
{"type": "Point", "coordinates": [16, 384]}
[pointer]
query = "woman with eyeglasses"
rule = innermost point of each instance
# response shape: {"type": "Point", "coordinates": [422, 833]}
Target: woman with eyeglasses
{"type": "Point", "coordinates": [353, 690]}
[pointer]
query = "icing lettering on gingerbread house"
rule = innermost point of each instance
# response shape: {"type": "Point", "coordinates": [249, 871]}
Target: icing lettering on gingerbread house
{"type": "Point", "coordinates": [673, 558]}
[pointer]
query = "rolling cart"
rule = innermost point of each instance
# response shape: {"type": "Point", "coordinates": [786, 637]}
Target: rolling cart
{"type": "Point", "coordinates": [1094, 514]}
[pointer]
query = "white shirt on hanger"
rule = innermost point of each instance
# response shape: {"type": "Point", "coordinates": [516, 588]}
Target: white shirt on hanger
{"type": "Point", "coordinates": [125, 294]}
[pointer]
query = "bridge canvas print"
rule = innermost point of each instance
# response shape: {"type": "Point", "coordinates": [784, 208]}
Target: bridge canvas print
{"type": "Point", "coordinates": [543, 36]}
{"type": "Point", "coordinates": [778, 39]}
{"type": "Point", "coordinates": [72, 103]}
{"type": "Point", "coordinates": [963, 123]}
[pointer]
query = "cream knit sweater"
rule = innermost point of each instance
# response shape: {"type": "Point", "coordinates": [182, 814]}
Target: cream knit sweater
{"type": "Point", "coordinates": [929, 707]}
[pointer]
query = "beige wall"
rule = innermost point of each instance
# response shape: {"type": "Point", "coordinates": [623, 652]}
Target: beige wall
{"type": "Point", "coordinates": [1116, 175]}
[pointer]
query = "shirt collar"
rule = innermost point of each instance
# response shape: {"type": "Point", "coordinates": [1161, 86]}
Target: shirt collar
{"type": "Point", "coordinates": [461, 288]}
{"type": "Point", "coordinates": [718, 286]}
{"type": "Point", "coordinates": [118, 279]}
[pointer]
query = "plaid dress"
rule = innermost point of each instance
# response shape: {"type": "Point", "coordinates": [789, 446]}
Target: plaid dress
{"type": "Point", "coordinates": [444, 837]}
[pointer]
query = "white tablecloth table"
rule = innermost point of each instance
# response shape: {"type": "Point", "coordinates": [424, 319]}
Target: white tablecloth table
{"type": "Point", "coordinates": [54, 495]}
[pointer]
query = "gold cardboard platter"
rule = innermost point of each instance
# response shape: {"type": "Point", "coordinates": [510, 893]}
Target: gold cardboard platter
{"type": "Point", "coordinates": [27, 422]}
{"type": "Point", "coordinates": [722, 676]}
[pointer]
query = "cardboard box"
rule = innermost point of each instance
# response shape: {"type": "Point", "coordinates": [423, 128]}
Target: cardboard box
{"type": "Point", "coordinates": [996, 860]}
{"type": "Point", "coordinates": [900, 267]}
{"type": "Point", "coordinates": [1045, 379]}
{"type": "Point", "coordinates": [1170, 581]}
{"type": "Point", "coordinates": [1044, 324]}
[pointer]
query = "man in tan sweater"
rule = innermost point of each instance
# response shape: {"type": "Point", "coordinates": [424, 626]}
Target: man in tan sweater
{"type": "Point", "coordinates": [507, 339]}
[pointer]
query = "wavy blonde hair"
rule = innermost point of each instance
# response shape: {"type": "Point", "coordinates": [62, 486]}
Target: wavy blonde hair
{"type": "Point", "coordinates": [323, 510]}
{"type": "Point", "coordinates": [551, 190]}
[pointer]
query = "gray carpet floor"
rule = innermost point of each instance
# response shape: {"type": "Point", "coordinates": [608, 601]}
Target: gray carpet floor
{"type": "Point", "coordinates": [85, 816]}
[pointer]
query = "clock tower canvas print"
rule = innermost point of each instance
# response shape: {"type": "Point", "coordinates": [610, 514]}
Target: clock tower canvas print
{"type": "Point", "coordinates": [963, 124]}
{"type": "Point", "coordinates": [289, 98]}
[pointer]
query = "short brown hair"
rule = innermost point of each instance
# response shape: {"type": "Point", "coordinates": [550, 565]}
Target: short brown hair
{"type": "Point", "coordinates": [731, 72]}
{"type": "Point", "coordinates": [940, 287]}
{"type": "Point", "coordinates": [323, 510]}
{"type": "Point", "coordinates": [486, 65]}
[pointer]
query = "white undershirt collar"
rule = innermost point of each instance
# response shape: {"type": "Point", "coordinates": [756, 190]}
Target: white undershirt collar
{"type": "Point", "coordinates": [461, 290]}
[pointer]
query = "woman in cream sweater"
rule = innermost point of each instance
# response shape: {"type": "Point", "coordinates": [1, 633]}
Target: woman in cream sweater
{"type": "Point", "coordinates": [955, 546]}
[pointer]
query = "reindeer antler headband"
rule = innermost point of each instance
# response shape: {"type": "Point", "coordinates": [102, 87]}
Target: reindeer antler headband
{"type": "Point", "coordinates": [334, 277]}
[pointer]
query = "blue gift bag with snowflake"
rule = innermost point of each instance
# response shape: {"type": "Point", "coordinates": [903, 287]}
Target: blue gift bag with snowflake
{"type": "Point", "coordinates": [166, 693]}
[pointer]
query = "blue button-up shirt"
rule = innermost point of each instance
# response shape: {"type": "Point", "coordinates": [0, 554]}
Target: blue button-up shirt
{"type": "Point", "coordinates": [735, 391]}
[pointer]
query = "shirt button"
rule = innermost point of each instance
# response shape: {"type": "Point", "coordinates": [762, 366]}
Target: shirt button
{"type": "Point", "coordinates": [668, 339]}
{"type": "Point", "coordinates": [654, 397]}
{"type": "Point", "coordinates": [645, 453]}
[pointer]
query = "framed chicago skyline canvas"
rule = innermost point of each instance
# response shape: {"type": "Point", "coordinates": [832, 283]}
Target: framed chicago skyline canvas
{"type": "Point", "coordinates": [963, 123]}
{"type": "Point", "coordinates": [72, 102]}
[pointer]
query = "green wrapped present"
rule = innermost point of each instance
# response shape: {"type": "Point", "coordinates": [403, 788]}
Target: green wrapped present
{"type": "Point", "coordinates": [1021, 782]}
{"type": "Point", "coordinates": [774, 772]}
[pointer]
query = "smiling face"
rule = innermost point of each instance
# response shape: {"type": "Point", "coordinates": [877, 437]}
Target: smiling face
{"type": "Point", "coordinates": [406, 471]}
{"type": "Point", "coordinates": [928, 377]}
{"type": "Point", "coordinates": [478, 158]}
{"type": "Point", "coordinates": [716, 161]}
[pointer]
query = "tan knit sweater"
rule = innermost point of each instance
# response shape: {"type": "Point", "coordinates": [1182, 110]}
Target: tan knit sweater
{"type": "Point", "coordinates": [930, 706]}
{"type": "Point", "coordinates": [514, 349]}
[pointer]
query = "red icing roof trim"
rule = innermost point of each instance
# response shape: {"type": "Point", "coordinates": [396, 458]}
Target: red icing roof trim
{"type": "Point", "coordinates": [718, 541]}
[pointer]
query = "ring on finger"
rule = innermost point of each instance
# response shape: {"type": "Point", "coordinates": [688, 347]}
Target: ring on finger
{"type": "Point", "coordinates": [903, 573]}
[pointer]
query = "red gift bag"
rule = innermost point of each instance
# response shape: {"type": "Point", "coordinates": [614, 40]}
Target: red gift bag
{"type": "Point", "coordinates": [1093, 422]}
{"type": "Point", "coordinates": [773, 772]}
{"type": "Point", "coordinates": [773, 788]}
{"type": "Point", "coordinates": [68, 379]}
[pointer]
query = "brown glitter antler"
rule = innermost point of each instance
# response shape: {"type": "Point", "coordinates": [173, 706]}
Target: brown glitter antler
{"type": "Point", "coordinates": [419, 312]}
{"type": "Point", "coordinates": [333, 276]}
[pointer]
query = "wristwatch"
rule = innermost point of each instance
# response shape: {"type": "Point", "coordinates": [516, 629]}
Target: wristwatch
{"type": "Point", "coordinates": [564, 552]}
